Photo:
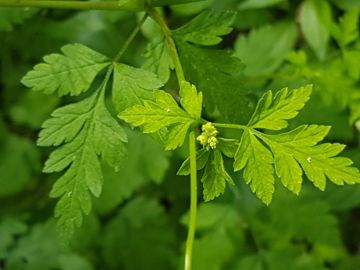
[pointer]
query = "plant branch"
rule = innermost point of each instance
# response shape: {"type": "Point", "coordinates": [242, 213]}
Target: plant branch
{"type": "Point", "coordinates": [133, 5]}
{"type": "Point", "coordinates": [170, 42]}
{"type": "Point", "coordinates": [193, 203]}
{"type": "Point", "coordinates": [81, 5]}
{"type": "Point", "coordinates": [130, 38]}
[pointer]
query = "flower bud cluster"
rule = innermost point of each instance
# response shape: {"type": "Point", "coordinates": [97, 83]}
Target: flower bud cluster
{"type": "Point", "coordinates": [208, 136]}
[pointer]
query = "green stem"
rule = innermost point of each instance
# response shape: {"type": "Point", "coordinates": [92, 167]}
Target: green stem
{"type": "Point", "coordinates": [82, 5]}
{"type": "Point", "coordinates": [170, 43]}
{"type": "Point", "coordinates": [193, 203]}
{"type": "Point", "coordinates": [192, 142]}
{"type": "Point", "coordinates": [232, 126]}
{"type": "Point", "coordinates": [132, 5]}
{"type": "Point", "coordinates": [130, 38]}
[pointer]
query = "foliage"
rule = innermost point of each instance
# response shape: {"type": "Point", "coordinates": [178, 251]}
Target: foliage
{"type": "Point", "coordinates": [124, 193]}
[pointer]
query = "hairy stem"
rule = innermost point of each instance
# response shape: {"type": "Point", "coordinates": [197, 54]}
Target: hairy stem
{"type": "Point", "coordinates": [170, 42]}
{"type": "Point", "coordinates": [193, 203]}
{"type": "Point", "coordinates": [130, 38]}
{"type": "Point", "coordinates": [133, 5]}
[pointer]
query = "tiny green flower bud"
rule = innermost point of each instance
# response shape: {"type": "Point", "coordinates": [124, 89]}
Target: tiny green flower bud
{"type": "Point", "coordinates": [202, 139]}
{"type": "Point", "coordinates": [212, 142]}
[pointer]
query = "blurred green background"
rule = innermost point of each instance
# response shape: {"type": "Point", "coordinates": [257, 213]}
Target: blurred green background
{"type": "Point", "coordinates": [139, 222]}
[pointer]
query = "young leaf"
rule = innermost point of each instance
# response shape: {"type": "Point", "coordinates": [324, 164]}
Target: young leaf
{"type": "Point", "coordinates": [318, 161]}
{"type": "Point", "coordinates": [132, 85]}
{"type": "Point", "coordinates": [191, 100]}
{"type": "Point", "coordinates": [155, 115]}
{"type": "Point", "coordinates": [215, 176]}
{"type": "Point", "coordinates": [85, 131]}
{"type": "Point", "coordinates": [206, 28]}
{"type": "Point", "coordinates": [290, 153]}
{"type": "Point", "coordinates": [164, 112]}
{"type": "Point", "coordinates": [258, 163]}
{"type": "Point", "coordinates": [272, 112]}
{"type": "Point", "coordinates": [70, 73]}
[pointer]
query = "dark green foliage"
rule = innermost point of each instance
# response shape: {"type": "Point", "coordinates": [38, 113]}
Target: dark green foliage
{"type": "Point", "coordinates": [119, 202]}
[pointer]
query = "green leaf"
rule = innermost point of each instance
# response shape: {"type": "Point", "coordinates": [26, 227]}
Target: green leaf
{"type": "Point", "coordinates": [206, 28]}
{"type": "Point", "coordinates": [158, 59]}
{"type": "Point", "coordinates": [141, 230]}
{"type": "Point", "coordinates": [254, 4]}
{"type": "Point", "coordinates": [132, 85]}
{"type": "Point", "coordinates": [191, 100]}
{"type": "Point", "coordinates": [202, 157]}
{"type": "Point", "coordinates": [164, 112]}
{"type": "Point", "coordinates": [155, 115]}
{"type": "Point", "coordinates": [215, 176]}
{"type": "Point", "coordinates": [39, 243]}
{"type": "Point", "coordinates": [318, 161]}
{"type": "Point", "coordinates": [252, 155]}
{"type": "Point", "coordinates": [218, 75]}
{"type": "Point", "coordinates": [144, 153]}
{"type": "Point", "coordinates": [33, 109]}
{"type": "Point", "coordinates": [272, 111]}
{"type": "Point", "coordinates": [70, 73]}
{"type": "Point", "coordinates": [265, 48]}
{"type": "Point", "coordinates": [315, 21]}
{"type": "Point", "coordinates": [347, 31]}
{"type": "Point", "coordinates": [12, 16]}
{"type": "Point", "coordinates": [302, 218]}
{"type": "Point", "coordinates": [228, 146]}
{"type": "Point", "coordinates": [17, 152]}
{"type": "Point", "coordinates": [352, 63]}
{"type": "Point", "coordinates": [10, 228]}
{"type": "Point", "coordinates": [85, 131]}
{"type": "Point", "coordinates": [290, 153]}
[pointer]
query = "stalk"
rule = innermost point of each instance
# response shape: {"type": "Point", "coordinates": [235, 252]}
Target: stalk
{"type": "Point", "coordinates": [170, 43]}
{"type": "Point", "coordinates": [193, 203]}
{"type": "Point", "coordinates": [192, 142]}
{"type": "Point", "coordinates": [130, 38]}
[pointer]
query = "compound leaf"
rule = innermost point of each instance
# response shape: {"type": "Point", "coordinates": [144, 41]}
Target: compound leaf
{"type": "Point", "coordinates": [289, 154]}
{"type": "Point", "coordinates": [70, 73]}
{"type": "Point", "coordinates": [85, 131]}
{"type": "Point", "coordinates": [317, 161]}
